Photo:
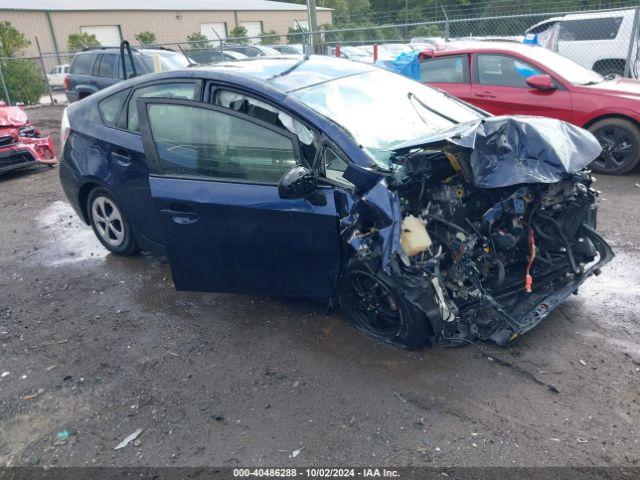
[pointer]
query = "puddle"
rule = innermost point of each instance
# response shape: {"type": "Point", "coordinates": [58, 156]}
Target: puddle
{"type": "Point", "coordinates": [64, 238]}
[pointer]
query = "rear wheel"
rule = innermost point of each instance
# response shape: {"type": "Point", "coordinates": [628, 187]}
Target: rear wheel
{"type": "Point", "coordinates": [110, 224]}
{"type": "Point", "coordinates": [376, 307]}
{"type": "Point", "coordinates": [620, 141]}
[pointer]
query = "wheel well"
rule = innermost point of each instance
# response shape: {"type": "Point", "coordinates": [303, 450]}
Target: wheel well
{"type": "Point", "coordinates": [83, 196]}
{"type": "Point", "coordinates": [83, 94]}
{"type": "Point", "coordinates": [604, 117]}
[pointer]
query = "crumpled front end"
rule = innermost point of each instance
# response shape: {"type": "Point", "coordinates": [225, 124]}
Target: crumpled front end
{"type": "Point", "coordinates": [21, 144]}
{"type": "Point", "coordinates": [486, 228]}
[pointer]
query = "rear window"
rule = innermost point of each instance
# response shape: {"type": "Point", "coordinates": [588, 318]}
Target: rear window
{"type": "Point", "coordinates": [111, 107]}
{"type": "Point", "coordinates": [590, 29]}
{"type": "Point", "coordinates": [82, 64]}
{"type": "Point", "coordinates": [445, 70]}
{"type": "Point", "coordinates": [106, 66]}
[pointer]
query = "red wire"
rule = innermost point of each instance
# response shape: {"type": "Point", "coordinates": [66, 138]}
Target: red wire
{"type": "Point", "coordinates": [528, 279]}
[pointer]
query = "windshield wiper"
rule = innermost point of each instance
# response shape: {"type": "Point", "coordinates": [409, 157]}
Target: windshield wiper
{"type": "Point", "coordinates": [411, 96]}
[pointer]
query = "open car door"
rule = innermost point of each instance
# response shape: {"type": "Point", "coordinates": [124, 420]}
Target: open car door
{"type": "Point", "coordinates": [214, 179]}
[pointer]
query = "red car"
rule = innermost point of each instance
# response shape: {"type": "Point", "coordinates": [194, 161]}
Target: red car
{"type": "Point", "coordinates": [21, 144]}
{"type": "Point", "coordinates": [510, 78]}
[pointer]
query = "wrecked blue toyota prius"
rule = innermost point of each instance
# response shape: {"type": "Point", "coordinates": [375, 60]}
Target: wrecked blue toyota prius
{"type": "Point", "coordinates": [425, 220]}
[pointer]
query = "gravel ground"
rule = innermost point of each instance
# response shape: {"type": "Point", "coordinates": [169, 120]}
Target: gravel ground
{"type": "Point", "coordinates": [99, 346]}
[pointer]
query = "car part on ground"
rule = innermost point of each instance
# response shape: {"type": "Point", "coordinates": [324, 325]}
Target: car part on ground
{"type": "Point", "coordinates": [22, 144]}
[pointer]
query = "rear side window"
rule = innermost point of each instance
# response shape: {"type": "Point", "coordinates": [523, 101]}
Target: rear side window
{"type": "Point", "coordinates": [111, 106]}
{"type": "Point", "coordinates": [185, 90]}
{"type": "Point", "coordinates": [504, 71]}
{"type": "Point", "coordinates": [208, 143]}
{"type": "Point", "coordinates": [445, 70]}
{"type": "Point", "coordinates": [106, 66]}
{"type": "Point", "coordinates": [83, 64]}
{"type": "Point", "coordinates": [590, 29]}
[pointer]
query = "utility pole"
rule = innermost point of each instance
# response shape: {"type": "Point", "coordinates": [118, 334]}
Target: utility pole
{"type": "Point", "coordinates": [406, 19]}
{"type": "Point", "coordinates": [313, 24]}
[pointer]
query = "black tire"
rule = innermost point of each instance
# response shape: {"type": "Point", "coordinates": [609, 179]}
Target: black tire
{"type": "Point", "coordinates": [410, 328]}
{"type": "Point", "coordinates": [109, 223]}
{"type": "Point", "coordinates": [620, 140]}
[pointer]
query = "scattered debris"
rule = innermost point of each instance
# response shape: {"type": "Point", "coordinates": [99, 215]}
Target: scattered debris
{"type": "Point", "coordinates": [129, 439]}
{"type": "Point", "coordinates": [295, 453]}
{"type": "Point", "coordinates": [583, 363]}
{"type": "Point", "coordinates": [581, 440]}
{"type": "Point", "coordinates": [554, 439]}
{"type": "Point", "coordinates": [4, 374]}
{"type": "Point", "coordinates": [50, 367]}
{"type": "Point", "coordinates": [34, 395]}
{"type": "Point", "coordinates": [62, 436]}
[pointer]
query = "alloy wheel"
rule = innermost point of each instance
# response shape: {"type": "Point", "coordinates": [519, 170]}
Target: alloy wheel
{"type": "Point", "coordinates": [617, 148]}
{"type": "Point", "coordinates": [107, 219]}
{"type": "Point", "coordinates": [375, 306]}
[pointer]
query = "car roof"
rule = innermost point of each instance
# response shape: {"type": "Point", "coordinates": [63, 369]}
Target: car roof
{"type": "Point", "coordinates": [133, 50]}
{"type": "Point", "coordinates": [285, 72]}
{"type": "Point", "coordinates": [454, 48]}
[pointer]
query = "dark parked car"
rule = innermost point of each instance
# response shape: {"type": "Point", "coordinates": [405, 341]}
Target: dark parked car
{"type": "Point", "coordinates": [425, 220]}
{"type": "Point", "coordinates": [95, 69]}
{"type": "Point", "coordinates": [252, 51]}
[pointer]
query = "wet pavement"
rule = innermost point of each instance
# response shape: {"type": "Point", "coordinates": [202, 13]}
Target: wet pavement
{"type": "Point", "coordinates": [99, 346]}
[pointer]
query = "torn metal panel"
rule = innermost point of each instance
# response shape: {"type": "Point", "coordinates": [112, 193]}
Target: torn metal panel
{"type": "Point", "coordinates": [520, 149]}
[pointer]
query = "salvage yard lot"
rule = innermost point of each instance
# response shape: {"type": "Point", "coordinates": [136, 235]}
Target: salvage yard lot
{"type": "Point", "coordinates": [99, 346]}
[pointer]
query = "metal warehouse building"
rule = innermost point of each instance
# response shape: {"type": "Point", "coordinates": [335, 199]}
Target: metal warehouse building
{"type": "Point", "coordinates": [170, 20]}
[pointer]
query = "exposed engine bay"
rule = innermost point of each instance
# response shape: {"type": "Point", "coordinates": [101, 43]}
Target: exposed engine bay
{"type": "Point", "coordinates": [481, 262]}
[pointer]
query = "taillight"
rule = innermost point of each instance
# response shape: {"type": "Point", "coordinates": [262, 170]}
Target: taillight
{"type": "Point", "coordinates": [65, 128]}
{"type": "Point", "coordinates": [67, 83]}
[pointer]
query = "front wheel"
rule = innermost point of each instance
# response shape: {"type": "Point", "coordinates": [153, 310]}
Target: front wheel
{"type": "Point", "coordinates": [620, 141]}
{"type": "Point", "coordinates": [110, 224]}
{"type": "Point", "coordinates": [375, 306]}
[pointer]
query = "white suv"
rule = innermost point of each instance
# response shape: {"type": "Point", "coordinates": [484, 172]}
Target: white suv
{"type": "Point", "coordinates": [599, 41]}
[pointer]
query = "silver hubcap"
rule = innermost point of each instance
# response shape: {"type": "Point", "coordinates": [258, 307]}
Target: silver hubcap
{"type": "Point", "coordinates": [108, 221]}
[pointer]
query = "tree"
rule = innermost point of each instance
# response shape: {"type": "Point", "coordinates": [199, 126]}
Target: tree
{"type": "Point", "coordinates": [22, 76]}
{"type": "Point", "coordinates": [426, 31]}
{"type": "Point", "coordinates": [270, 40]}
{"type": "Point", "coordinates": [239, 33]}
{"type": "Point", "coordinates": [80, 41]}
{"type": "Point", "coordinates": [197, 41]}
{"type": "Point", "coordinates": [146, 38]}
{"type": "Point", "coordinates": [295, 35]}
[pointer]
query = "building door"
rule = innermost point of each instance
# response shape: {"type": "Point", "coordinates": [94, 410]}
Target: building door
{"type": "Point", "coordinates": [254, 29]}
{"type": "Point", "coordinates": [107, 35]}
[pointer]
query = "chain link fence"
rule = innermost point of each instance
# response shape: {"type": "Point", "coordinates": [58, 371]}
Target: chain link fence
{"type": "Point", "coordinates": [604, 40]}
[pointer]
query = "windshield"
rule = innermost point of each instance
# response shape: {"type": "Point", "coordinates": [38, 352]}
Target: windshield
{"type": "Point", "coordinates": [568, 69]}
{"type": "Point", "coordinates": [269, 51]}
{"type": "Point", "coordinates": [382, 109]}
{"type": "Point", "coordinates": [164, 61]}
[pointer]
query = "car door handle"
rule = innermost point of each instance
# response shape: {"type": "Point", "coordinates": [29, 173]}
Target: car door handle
{"type": "Point", "coordinates": [123, 159]}
{"type": "Point", "coordinates": [180, 217]}
{"type": "Point", "coordinates": [485, 95]}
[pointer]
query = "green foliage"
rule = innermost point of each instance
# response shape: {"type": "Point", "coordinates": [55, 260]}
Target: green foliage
{"type": "Point", "coordinates": [426, 31]}
{"type": "Point", "coordinates": [80, 41]}
{"type": "Point", "coordinates": [198, 41]}
{"type": "Point", "coordinates": [12, 41]}
{"type": "Point", "coordinates": [146, 38]}
{"type": "Point", "coordinates": [296, 35]}
{"type": "Point", "coordinates": [23, 77]}
{"type": "Point", "coordinates": [270, 40]}
{"type": "Point", "coordinates": [24, 80]}
{"type": "Point", "coordinates": [239, 34]}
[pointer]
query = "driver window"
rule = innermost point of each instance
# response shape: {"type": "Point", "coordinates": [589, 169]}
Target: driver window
{"type": "Point", "coordinates": [272, 115]}
{"type": "Point", "coordinates": [504, 71]}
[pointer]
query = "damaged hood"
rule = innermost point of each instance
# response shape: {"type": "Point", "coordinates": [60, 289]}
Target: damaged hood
{"type": "Point", "coordinates": [12, 117]}
{"type": "Point", "coordinates": [510, 150]}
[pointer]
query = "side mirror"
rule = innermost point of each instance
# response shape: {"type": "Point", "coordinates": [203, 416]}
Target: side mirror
{"type": "Point", "coordinates": [298, 182]}
{"type": "Point", "coordinates": [541, 82]}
